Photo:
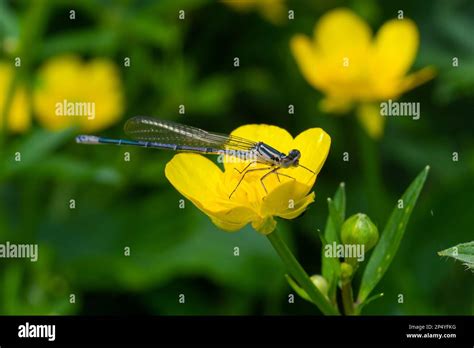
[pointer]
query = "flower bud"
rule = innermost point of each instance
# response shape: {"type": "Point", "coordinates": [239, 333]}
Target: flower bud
{"type": "Point", "coordinates": [346, 271]}
{"type": "Point", "coordinates": [320, 283]}
{"type": "Point", "coordinates": [358, 229]}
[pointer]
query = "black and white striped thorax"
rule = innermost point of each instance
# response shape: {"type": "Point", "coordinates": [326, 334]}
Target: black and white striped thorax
{"type": "Point", "coordinates": [267, 154]}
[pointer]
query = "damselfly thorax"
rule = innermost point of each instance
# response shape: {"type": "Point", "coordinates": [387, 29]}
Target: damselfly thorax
{"type": "Point", "coordinates": [168, 135]}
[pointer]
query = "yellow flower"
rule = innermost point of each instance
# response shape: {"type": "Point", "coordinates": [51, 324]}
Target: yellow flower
{"type": "Point", "coordinates": [350, 67]}
{"type": "Point", "coordinates": [71, 92]}
{"type": "Point", "coordinates": [272, 10]}
{"type": "Point", "coordinates": [202, 182]}
{"type": "Point", "coordinates": [18, 119]}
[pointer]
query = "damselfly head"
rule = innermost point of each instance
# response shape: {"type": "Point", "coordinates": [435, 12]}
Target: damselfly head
{"type": "Point", "coordinates": [295, 154]}
{"type": "Point", "coordinates": [291, 160]}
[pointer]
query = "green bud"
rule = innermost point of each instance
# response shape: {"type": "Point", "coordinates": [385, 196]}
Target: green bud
{"type": "Point", "coordinates": [358, 229]}
{"type": "Point", "coordinates": [346, 271]}
{"type": "Point", "coordinates": [320, 283]}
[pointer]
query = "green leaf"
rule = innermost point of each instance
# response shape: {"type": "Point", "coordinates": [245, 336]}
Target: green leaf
{"type": "Point", "coordinates": [296, 270]}
{"type": "Point", "coordinates": [71, 169]}
{"type": "Point", "coordinates": [147, 29]}
{"type": "Point", "coordinates": [174, 256]}
{"type": "Point", "coordinates": [369, 300]}
{"type": "Point", "coordinates": [461, 252]}
{"type": "Point", "coordinates": [336, 217]}
{"type": "Point", "coordinates": [391, 237]}
{"type": "Point", "coordinates": [34, 149]}
{"type": "Point", "coordinates": [337, 212]}
{"type": "Point", "coordinates": [8, 22]}
{"type": "Point", "coordinates": [300, 291]}
{"type": "Point", "coordinates": [79, 41]}
{"type": "Point", "coordinates": [333, 269]}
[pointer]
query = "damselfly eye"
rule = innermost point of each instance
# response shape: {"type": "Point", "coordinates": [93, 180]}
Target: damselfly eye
{"type": "Point", "coordinates": [295, 154]}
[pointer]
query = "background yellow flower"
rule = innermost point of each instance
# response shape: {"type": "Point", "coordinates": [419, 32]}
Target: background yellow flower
{"type": "Point", "coordinates": [67, 78]}
{"type": "Point", "coordinates": [202, 182]}
{"type": "Point", "coordinates": [18, 119]}
{"type": "Point", "coordinates": [349, 66]}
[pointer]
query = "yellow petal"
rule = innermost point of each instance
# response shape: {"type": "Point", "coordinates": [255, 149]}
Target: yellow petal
{"type": "Point", "coordinates": [67, 79]}
{"type": "Point", "coordinates": [273, 10]}
{"type": "Point", "coordinates": [270, 135]}
{"type": "Point", "coordinates": [394, 49]}
{"type": "Point", "coordinates": [308, 61]}
{"type": "Point", "coordinates": [288, 200]}
{"type": "Point", "coordinates": [227, 225]}
{"type": "Point", "coordinates": [273, 136]}
{"type": "Point", "coordinates": [340, 30]}
{"type": "Point", "coordinates": [371, 120]}
{"type": "Point", "coordinates": [314, 144]}
{"type": "Point", "coordinates": [198, 179]}
{"type": "Point", "coordinates": [107, 96]}
{"type": "Point", "coordinates": [18, 119]}
{"type": "Point", "coordinates": [299, 207]}
{"type": "Point", "coordinates": [343, 40]}
{"type": "Point", "coordinates": [230, 213]}
{"type": "Point", "coordinates": [336, 104]}
{"type": "Point", "coordinates": [415, 79]}
{"type": "Point", "coordinates": [194, 176]}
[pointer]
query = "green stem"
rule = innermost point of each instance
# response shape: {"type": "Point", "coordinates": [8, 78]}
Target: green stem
{"type": "Point", "coordinates": [347, 298]}
{"type": "Point", "coordinates": [372, 174]}
{"type": "Point", "coordinates": [300, 275]}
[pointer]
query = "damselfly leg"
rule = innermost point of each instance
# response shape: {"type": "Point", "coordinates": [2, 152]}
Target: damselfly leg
{"type": "Point", "coordinates": [243, 176]}
{"type": "Point", "coordinates": [274, 171]}
{"type": "Point", "coordinates": [245, 171]}
{"type": "Point", "coordinates": [309, 170]}
{"type": "Point", "coordinates": [246, 167]}
{"type": "Point", "coordinates": [282, 174]}
{"type": "Point", "coordinates": [278, 176]}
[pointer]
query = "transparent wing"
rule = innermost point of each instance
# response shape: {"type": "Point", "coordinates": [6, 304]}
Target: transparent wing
{"type": "Point", "coordinates": [168, 132]}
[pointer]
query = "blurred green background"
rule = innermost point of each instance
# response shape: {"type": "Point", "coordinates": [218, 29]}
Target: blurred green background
{"type": "Point", "coordinates": [179, 251]}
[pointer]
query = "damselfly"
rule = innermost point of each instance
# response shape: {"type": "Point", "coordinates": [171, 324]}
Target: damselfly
{"type": "Point", "coordinates": [160, 134]}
